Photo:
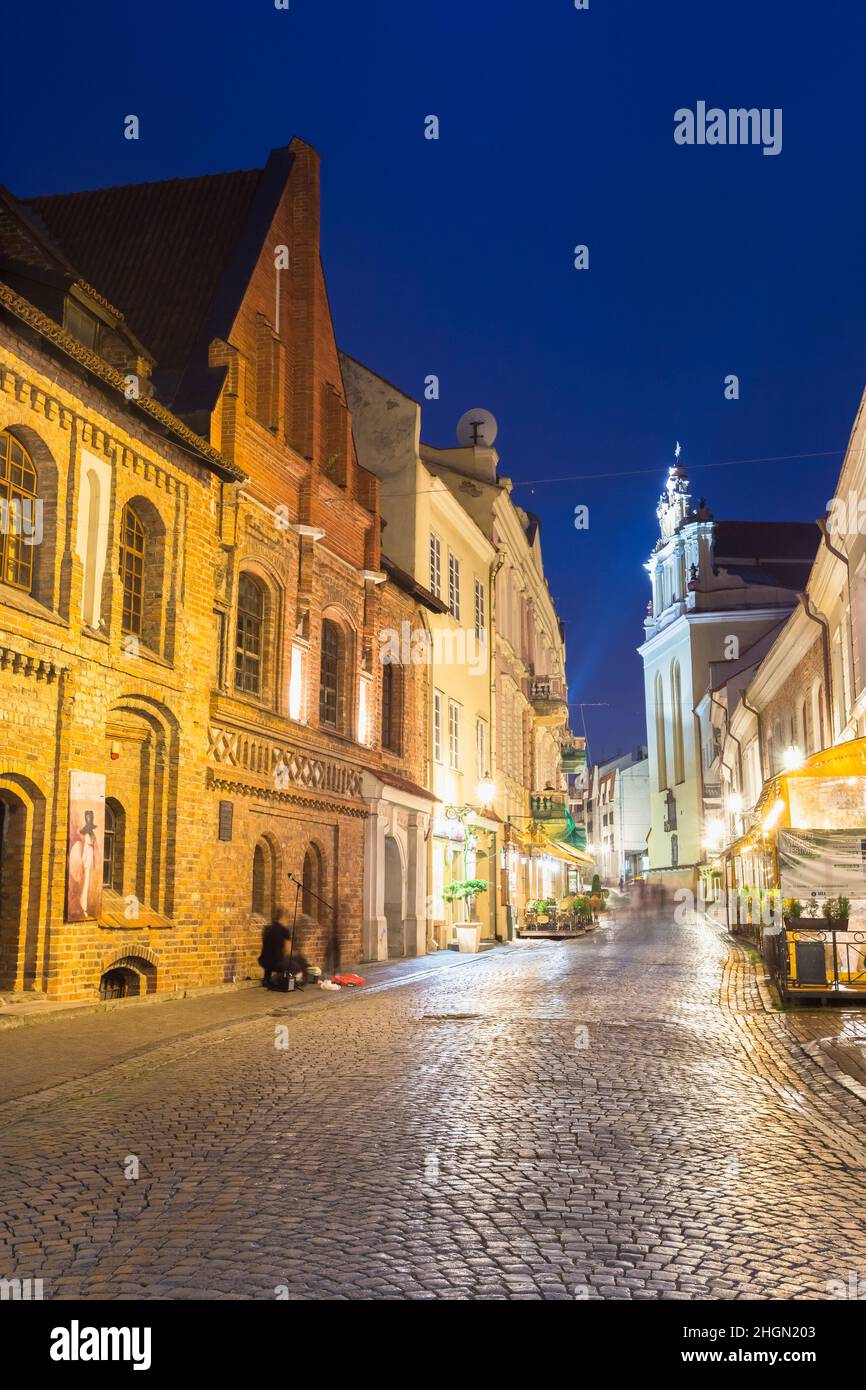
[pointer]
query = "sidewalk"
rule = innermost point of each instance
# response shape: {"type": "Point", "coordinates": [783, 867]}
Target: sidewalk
{"type": "Point", "coordinates": [833, 1037]}
{"type": "Point", "coordinates": [89, 1037]}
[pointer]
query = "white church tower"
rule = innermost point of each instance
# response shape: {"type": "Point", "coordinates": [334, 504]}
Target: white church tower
{"type": "Point", "coordinates": [717, 588]}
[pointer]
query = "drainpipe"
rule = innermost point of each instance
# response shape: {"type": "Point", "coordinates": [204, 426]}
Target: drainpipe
{"type": "Point", "coordinates": [840, 555]}
{"type": "Point", "coordinates": [828, 672]}
{"type": "Point", "coordinates": [495, 567]}
{"type": "Point", "coordinates": [757, 715]}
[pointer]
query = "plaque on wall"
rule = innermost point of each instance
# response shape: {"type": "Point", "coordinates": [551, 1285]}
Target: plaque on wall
{"type": "Point", "coordinates": [225, 820]}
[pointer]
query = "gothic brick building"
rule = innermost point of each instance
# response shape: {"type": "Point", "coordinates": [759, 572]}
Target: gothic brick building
{"type": "Point", "coordinates": [193, 706]}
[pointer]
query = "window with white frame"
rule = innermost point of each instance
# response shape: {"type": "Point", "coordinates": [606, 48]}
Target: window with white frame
{"type": "Point", "coordinates": [481, 748]}
{"type": "Point", "coordinates": [453, 585]}
{"type": "Point", "coordinates": [480, 621]}
{"type": "Point", "coordinates": [437, 726]}
{"type": "Point", "coordinates": [435, 565]}
{"type": "Point", "coordinates": [453, 735]}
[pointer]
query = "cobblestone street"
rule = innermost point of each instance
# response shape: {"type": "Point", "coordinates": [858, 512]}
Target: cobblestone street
{"type": "Point", "coordinates": [618, 1117]}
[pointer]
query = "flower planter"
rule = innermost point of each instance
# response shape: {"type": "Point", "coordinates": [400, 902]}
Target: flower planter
{"type": "Point", "coordinates": [468, 937]}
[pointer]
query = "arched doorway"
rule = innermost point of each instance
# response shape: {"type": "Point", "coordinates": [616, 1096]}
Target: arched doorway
{"type": "Point", "coordinates": [394, 898]}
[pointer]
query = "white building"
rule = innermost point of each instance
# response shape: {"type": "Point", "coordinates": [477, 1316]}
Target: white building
{"type": "Point", "coordinates": [717, 588]}
{"type": "Point", "coordinates": [617, 815]}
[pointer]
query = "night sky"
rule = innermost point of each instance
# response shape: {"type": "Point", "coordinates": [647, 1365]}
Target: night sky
{"type": "Point", "coordinates": [456, 257]}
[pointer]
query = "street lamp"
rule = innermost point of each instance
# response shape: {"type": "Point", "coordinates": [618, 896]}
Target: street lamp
{"type": "Point", "coordinates": [792, 758]}
{"type": "Point", "coordinates": [486, 790]}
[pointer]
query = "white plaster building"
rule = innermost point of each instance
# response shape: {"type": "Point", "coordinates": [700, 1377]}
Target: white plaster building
{"type": "Point", "coordinates": [717, 588]}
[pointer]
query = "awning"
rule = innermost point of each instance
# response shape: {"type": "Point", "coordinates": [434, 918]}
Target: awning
{"type": "Point", "coordinates": [569, 854]}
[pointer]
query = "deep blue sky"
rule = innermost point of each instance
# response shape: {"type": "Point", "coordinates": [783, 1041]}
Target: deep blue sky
{"type": "Point", "coordinates": [455, 257]}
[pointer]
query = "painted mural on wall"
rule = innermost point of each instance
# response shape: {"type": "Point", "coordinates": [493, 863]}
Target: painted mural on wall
{"type": "Point", "coordinates": [86, 841]}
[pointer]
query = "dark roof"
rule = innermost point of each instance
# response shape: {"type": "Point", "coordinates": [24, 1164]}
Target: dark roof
{"type": "Point", "coordinates": [158, 250]}
{"type": "Point", "coordinates": [779, 554]}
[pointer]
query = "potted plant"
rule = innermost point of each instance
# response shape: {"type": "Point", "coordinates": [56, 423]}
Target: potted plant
{"type": "Point", "coordinates": [792, 911]}
{"type": "Point", "coordinates": [583, 909]}
{"type": "Point", "coordinates": [466, 890]}
{"type": "Point", "coordinates": [843, 911]}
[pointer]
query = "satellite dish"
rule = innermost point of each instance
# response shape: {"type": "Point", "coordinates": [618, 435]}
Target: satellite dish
{"type": "Point", "coordinates": [477, 427]}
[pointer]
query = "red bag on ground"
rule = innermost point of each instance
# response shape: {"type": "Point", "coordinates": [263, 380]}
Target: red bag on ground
{"type": "Point", "coordinates": [348, 980]}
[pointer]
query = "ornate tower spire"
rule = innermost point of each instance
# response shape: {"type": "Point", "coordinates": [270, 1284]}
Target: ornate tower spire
{"type": "Point", "coordinates": [675, 502]}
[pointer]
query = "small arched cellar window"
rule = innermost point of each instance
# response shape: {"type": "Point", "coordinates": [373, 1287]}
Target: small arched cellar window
{"type": "Point", "coordinates": [249, 638]}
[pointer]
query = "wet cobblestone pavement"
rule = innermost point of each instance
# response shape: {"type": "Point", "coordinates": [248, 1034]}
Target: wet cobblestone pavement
{"type": "Point", "coordinates": [617, 1118]}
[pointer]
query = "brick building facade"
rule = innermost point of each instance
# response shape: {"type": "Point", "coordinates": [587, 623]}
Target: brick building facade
{"type": "Point", "coordinates": [195, 706]}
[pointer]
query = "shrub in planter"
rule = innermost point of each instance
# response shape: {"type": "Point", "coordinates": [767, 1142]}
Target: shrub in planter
{"type": "Point", "coordinates": [837, 911]}
{"type": "Point", "coordinates": [465, 888]}
{"type": "Point", "coordinates": [792, 909]}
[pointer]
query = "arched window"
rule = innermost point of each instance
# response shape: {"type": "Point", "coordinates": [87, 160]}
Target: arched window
{"type": "Point", "coordinates": [19, 518]}
{"type": "Point", "coordinates": [311, 879]}
{"type": "Point", "coordinates": [392, 713]}
{"type": "Point", "coordinates": [264, 879]}
{"type": "Point", "coordinates": [249, 641]}
{"type": "Point", "coordinates": [112, 845]}
{"type": "Point", "coordinates": [661, 752]}
{"type": "Point", "coordinates": [332, 676]}
{"type": "Point", "coordinates": [132, 561]}
{"type": "Point", "coordinates": [677, 721]}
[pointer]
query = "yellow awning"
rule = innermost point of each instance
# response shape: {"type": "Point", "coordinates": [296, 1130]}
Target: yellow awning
{"type": "Point", "coordinates": [567, 853]}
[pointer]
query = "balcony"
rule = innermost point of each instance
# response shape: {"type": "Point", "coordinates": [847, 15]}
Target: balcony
{"type": "Point", "coordinates": [549, 700]}
{"type": "Point", "coordinates": [548, 805]}
{"type": "Point", "coordinates": [573, 757]}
